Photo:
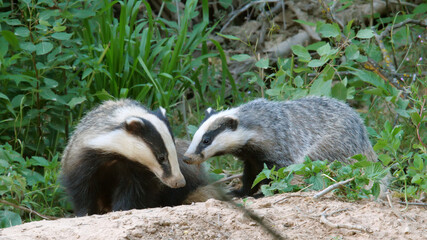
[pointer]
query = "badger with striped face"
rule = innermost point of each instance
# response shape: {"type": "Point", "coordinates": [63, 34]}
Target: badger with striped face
{"type": "Point", "coordinates": [279, 134]}
{"type": "Point", "coordinates": [123, 156]}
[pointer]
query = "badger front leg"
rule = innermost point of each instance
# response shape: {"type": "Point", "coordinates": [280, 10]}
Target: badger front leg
{"type": "Point", "coordinates": [250, 171]}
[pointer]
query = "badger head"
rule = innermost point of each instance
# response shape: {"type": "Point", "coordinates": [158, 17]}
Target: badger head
{"type": "Point", "coordinates": [144, 137]}
{"type": "Point", "coordinates": [220, 133]}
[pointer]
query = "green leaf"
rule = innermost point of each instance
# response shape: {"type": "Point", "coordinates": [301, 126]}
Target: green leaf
{"type": "Point", "coordinates": [2, 96]}
{"type": "Point", "coordinates": [240, 57]}
{"type": "Point", "coordinates": [328, 30]}
{"type": "Point", "coordinates": [305, 23]}
{"type": "Point", "coordinates": [11, 38]}
{"type": "Point", "coordinates": [321, 88]}
{"type": "Point", "coordinates": [262, 63]}
{"type": "Point", "coordinates": [82, 14]}
{"type": "Point", "coordinates": [59, 28]}
{"type": "Point", "coordinates": [316, 63]}
{"type": "Point", "coordinates": [301, 52]}
{"type": "Point", "coordinates": [422, 8]}
{"type": "Point", "coordinates": [365, 34]}
{"type": "Point", "coordinates": [13, 22]}
{"type": "Point", "coordinates": [62, 35]}
{"type": "Point", "coordinates": [9, 219]}
{"type": "Point", "coordinates": [32, 177]}
{"type": "Point", "coordinates": [43, 48]}
{"type": "Point", "coordinates": [274, 92]}
{"type": "Point", "coordinates": [352, 52]}
{"type": "Point", "coordinates": [86, 72]}
{"type": "Point", "coordinates": [76, 101]}
{"type": "Point", "coordinates": [385, 159]}
{"type": "Point", "coordinates": [22, 32]}
{"type": "Point", "coordinates": [38, 161]}
{"type": "Point", "coordinates": [298, 81]}
{"type": "Point", "coordinates": [324, 50]}
{"type": "Point", "coordinates": [50, 83]}
{"type": "Point", "coordinates": [231, 37]}
{"type": "Point", "coordinates": [418, 162]}
{"type": "Point", "coordinates": [415, 117]}
{"type": "Point", "coordinates": [376, 189]}
{"type": "Point", "coordinates": [28, 46]}
{"type": "Point", "coordinates": [339, 91]}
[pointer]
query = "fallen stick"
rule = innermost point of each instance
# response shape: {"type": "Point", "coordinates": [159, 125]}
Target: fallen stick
{"type": "Point", "coordinates": [324, 220]}
{"type": "Point", "coordinates": [332, 187]}
{"type": "Point", "coordinates": [28, 210]}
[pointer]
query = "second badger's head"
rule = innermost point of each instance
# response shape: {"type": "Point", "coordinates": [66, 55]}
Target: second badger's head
{"type": "Point", "coordinates": [126, 128]}
{"type": "Point", "coordinates": [219, 133]}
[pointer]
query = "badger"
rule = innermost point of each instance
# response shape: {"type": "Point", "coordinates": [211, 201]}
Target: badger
{"type": "Point", "coordinates": [280, 133]}
{"type": "Point", "coordinates": [123, 156]}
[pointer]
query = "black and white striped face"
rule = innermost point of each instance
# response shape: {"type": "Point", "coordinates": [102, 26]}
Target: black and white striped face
{"type": "Point", "coordinates": [143, 137]}
{"type": "Point", "coordinates": [218, 134]}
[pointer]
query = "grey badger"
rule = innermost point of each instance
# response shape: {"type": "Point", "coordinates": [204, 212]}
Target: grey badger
{"type": "Point", "coordinates": [123, 156]}
{"type": "Point", "coordinates": [280, 133]}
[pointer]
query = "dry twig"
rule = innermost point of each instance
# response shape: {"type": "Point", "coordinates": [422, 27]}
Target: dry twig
{"type": "Point", "coordinates": [332, 187]}
{"type": "Point", "coordinates": [324, 220]}
{"type": "Point", "coordinates": [27, 210]}
{"type": "Point", "coordinates": [222, 180]}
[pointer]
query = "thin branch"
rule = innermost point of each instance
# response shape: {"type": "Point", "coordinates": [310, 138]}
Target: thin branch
{"type": "Point", "coordinates": [413, 203]}
{"type": "Point", "coordinates": [324, 220]}
{"type": "Point", "coordinates": [27, 210]}
{"type": "Point", "coordinates": [222, 180]}
{"type": "Point", "coordinates": [332, 187]}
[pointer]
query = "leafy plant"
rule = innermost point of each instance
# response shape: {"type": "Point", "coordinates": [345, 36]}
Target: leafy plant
{"type": "Point", "coordinates": [318, 175]}
{"type": "Point", "coordinates": [30, 183]}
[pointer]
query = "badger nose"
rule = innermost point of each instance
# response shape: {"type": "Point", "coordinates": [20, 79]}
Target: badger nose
{"type": "Point", "coordinates": [186, 159]}
{"type": "Point", "coordinates": [179, 183]}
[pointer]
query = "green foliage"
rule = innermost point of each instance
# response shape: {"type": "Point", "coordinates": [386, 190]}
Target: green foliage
{"type": "Point", "coordinates": [318, 175]}
{"type": "Point", "coordinates": [31, 183]}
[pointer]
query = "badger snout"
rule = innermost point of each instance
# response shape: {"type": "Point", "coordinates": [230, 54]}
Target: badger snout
{"type": "Point", "coordinates": [175, 182]}
{"type": "Point", "coordinates": [191, 158]}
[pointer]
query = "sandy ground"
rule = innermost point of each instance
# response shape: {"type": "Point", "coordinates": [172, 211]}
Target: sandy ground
{"type": "Point", "coordinates": [294, 216]}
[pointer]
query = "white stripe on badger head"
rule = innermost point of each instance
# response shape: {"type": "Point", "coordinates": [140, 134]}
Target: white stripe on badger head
{"type": "Point", "coordinates": [228, 141]}
{"type": "Point", "coordinates": [124, 143]}
{"type": "Point", "coordinates": [163, 130]}
{"type": "Point", "coordinates": [197, 138]}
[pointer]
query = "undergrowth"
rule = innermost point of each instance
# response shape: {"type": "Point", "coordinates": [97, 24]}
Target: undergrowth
{"type": "Point", "coordinates": [60, 58]}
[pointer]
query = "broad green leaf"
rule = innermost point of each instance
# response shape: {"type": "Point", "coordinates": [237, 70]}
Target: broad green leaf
{"type": "Point", "coordinates": [38, 161]}
{"type": "Point", "coordinates": [86, 72]}
{"type": "Point", "coordinates": [240, 57]}
{"type": "Point", "coordinates": [2, 96]}
{"type": "Point", "coordinates": [328, 30]}
{"type": "Point", "coordinates": [9, 219]}
{"type": "Point", "coordinates": [273, 92]}
{"type": "Point", "coordinates": [321, 88]}
{"type": "Point", "coordinates": [32, 177]}
{"type": "Point", "coordinates": [50, 83]}
{"type": "Point", "coordinates": [352, 52]}
{"type": "Point", "coordinates": [298, 81]}
{"type": "Point", "coordinates": [11, 38]}
{"type": "Point", "coordinates": [385, 159]}
{"type": "Point", "coordinates": [82, 14]}
{"type": "Point", "coordinates": [22, 32]}
{"type": "Point", "coordinates": [316, 63]}
{"type": "Point", "coordinates": [324, 50]}
{"type": "Point", "coordinates": [28, 46]}
{"type": "Point", "coordinates": [418, 163]}
{"type": "Point", "coordinates": [415, 117]}
{"type": "Point", "coordinates": [62, 35]}
{"type": "Point", "coordinates": [44, 23]}
{"type": "Point", "coordinates": [48, 94]}
{"type": "Point", "coordinates": [365, 33]}
{"type": "Point", "coordinates": [301, 52]}
{"type": "Point", "coordinates": [76, 101]}
{"type": "Point", "coordinates": [43, 48]}
{"type": "Point", "coordinates": [13, 22]}
{"type": "Point", "coordinates": [305, 23]}
{"type": "Point", "coordinates": [262, 63]}
{"type": "Point", "coordinates": [59, 28]}
{"type": "Point", "coordinates": [339, 91]}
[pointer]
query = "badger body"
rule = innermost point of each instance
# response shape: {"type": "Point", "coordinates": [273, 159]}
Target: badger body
{"type": "Point", "coordinates": [123, 156]}
{"type": "Point", "coordinates": [279, 134]}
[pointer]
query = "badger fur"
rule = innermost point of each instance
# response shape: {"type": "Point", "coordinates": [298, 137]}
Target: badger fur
{"type": "Point", "coordinates": [123, 156]}
{"type": "Point", "coordinates": [280, 133]}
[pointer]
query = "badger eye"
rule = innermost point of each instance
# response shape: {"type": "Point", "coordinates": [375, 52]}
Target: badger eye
{"type": "Point", "coordinates": [206, 140]}
{"type": "Point", "coordinates": [161, 158]}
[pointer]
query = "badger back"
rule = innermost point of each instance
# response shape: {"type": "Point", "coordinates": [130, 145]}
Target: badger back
{"type": "Point", "coordinates": [127, 129]}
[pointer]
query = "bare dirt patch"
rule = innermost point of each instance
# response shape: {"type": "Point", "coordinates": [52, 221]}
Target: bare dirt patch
{"type": "Point", "coordinates": [294, 216]}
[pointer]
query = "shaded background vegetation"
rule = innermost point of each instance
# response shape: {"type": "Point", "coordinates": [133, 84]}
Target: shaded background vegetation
{"type": "Point", "coordinates": [60, 58]}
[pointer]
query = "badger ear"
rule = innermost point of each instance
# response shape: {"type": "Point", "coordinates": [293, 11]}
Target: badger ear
{"type": "Point", "coordinates": [134, 124]}
{"type": "Point", "coordinates": [209, 112]}
{"type": "Point", "coordinates": [231, 122]}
